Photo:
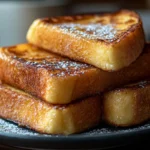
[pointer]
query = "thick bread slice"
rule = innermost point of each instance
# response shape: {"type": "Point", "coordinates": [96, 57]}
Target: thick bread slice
{"type": "Point", "coordinates": [109, 41]}
{"type": "Point", "coordinates": [127, 106]}
{"type": "Point", "coordinates": [59, 80]}
{"type": "Point", "coordinates": [43, 117]}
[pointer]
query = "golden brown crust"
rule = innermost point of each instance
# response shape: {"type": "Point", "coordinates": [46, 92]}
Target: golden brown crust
{"type": "Point", "coordinates": [50, 85]}
{"type": "Point", "coordinates": [105, 41]}
{"type": "Point", "coordinates": [127, 106]}
{"type": "Point", "coordinates": [86, 17]}
{"type": "Point", "coordinates": [29, 111]}
{"type": "Point", "coordinates": [28, 68]}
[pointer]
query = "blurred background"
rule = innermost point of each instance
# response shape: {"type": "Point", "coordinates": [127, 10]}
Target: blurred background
{"type": "Point", "coordinates": [17, 15]}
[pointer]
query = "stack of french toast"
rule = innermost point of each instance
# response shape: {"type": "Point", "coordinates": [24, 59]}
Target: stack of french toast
{"type": "Point", "coordinates": [77, 72]}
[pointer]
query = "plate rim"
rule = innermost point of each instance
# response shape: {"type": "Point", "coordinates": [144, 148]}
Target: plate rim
{"type": "Point", "coordinates": [113, 139]}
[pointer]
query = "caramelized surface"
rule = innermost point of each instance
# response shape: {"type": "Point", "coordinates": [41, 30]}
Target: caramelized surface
{"type": "Point", "coordinates": [43, 75]}
{"type": "Point", "coordinates": [31, 112]}
{"type": "Point", "coordinates": [107, 27]}
{"type": "Point", "coordinates": [102, 40]}
{"type": "Point", "coordinates": [56, 65]}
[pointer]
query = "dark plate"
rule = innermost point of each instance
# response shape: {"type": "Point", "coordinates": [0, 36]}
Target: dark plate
{"type": "Point", "coordinates": [100, 137]}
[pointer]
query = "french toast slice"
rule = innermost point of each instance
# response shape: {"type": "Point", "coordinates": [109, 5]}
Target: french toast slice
{"type": "Point", "coordinates": [127, 106]}
{"type": "Point", "coordinates": [43, 117]}
{"type": "Point", "coordinates": [109, 41]}
{"type": "Point", "coordinates": [59, 80]}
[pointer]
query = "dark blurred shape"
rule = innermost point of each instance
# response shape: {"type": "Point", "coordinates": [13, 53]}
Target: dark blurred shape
{"type": "Point", "coordinates": [108, 5]}
{"type": "Point", "coordinates": [16, 17]}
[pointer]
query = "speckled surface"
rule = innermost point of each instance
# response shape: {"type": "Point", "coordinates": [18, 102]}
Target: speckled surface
{"type": "Point", "coordinates": [91, 31]}
{"type": "Point", "coordinates": [10, 127]}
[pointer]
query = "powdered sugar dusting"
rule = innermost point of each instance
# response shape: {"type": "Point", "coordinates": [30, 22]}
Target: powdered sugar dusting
{"type": "Point", "coordinates": [9, 127]}
{"type": "Point", "coordinates": [94, 31]}
{"type": "Point", "coordinates": [106, 129]}
{"type": "Point", "coordinates": [64, 64]}
{"type": "Point", "coordinates": [61, 67]}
